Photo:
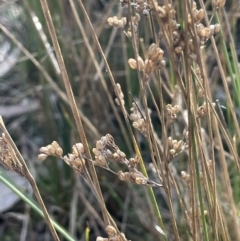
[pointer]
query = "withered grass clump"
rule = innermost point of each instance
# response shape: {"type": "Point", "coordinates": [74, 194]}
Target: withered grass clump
{"type": "Point", "coordinates": [177, 145]}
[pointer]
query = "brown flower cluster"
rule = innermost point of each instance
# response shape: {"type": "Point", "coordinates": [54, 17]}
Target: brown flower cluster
{"type": "Point", "coordinates": [199, 83]}
{"type": "Point", "coordinates": [175, 147]}
{"type": "Point", "coordinates": [154, 61]}
{"type": "Point", "coordinates": [166, 12]}
{"type": "Point", "coordinates": [168, 16]}
{"type": "Point", "coordinates": [107, 151]}
{"type": "Point", "coordinates": [196, 15]}
{"type": "Point", "coordinates": [120, 94]}
{"type": "Point", "coordinates": [52, 149]}
{"type": "Point", "coordinates": [120, 23]}
{"type": "Point", "coordinates": [219, 3]}
{"type": "Point", "coordinates": [141, 6]}
{"type": "Point", "coordinates": [8, 157]}
{"type": "Point", "coordinates": [75, 159]}
{"type": "Point", "coordinates": [138, 119]}
{"type": "Point", "coordinates": [201, 110]}
{"type": "Point", "coordinates": [186, 177]}
{"type": "Point", "coordinates": [112, 235]}
{"type": "Point", "coordinates": [204, 33]}
{"type": "Point", "coordinates": [135, 21]}
{"type": "Point", "coordinates": [172, 113]}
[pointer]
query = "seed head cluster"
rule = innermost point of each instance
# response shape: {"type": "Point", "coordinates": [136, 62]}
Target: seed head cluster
{"type": "Point", "coordinates": [120, 23]}
{"type": "Point", "coordinates": [139, 121]}
{"type": "Point", "coordinates": [175, 147]}
{"type": "Point", "coordinates": [107, 151]}
{"type": "Point", "coordinates": [8, 157]}
{"type": "Point", "coordinates": [112, 235]}
{"type": "Point", "coordinates": [120, 94]}
{"type": "Point", "coordinates": [75, 159]}
{"type": "Point", "coordinates": [172, 113]}
{"type": "Point", "coordinates": [154, 61]}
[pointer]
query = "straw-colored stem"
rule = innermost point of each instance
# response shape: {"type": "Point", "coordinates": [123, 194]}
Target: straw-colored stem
{"type": "Point", "coordinates": [71, 99]}
{"type": "Point", "coordinates": [31, 180]}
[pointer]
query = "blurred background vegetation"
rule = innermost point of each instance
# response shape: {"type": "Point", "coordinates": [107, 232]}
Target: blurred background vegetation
{"type": "Point", "coordinates": [36, 114]}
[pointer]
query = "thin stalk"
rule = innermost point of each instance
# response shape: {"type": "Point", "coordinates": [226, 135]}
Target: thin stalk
{"type": "Point", "coordinates": [72, 101]}
{"type": "Point", "coordinates": [99, 73]}
{"type": "Point", "coordinates": [31, 180]}
{"type": "Point", "coordinates": [124, 113]}
{"type": "Point", "coordinates": [31, 203]}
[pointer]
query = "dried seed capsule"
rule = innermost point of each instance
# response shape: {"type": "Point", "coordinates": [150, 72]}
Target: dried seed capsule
{"type": "Point", "coordinates": [111, 231]}
{"type": "Point", "coordinates": [132, 63]}
{"type": "Point", "coordinates": [42, 157]}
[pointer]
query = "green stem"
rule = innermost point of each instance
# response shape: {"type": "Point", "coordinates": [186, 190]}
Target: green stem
{"type": "Point", "coordinates": [33, 206]}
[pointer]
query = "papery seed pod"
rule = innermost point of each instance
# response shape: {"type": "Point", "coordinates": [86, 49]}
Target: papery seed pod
{"type": "Point", "coordinates": [110, 21]}
{"type": "Point", "coordinates": [134, 116]}
{"type": "Point", "coordinates": [77, 164]}
{"type": "Point", "coordinates": [99, 145]}
{"type": "Point", "coordinates": [71, 157]}
{"type": "Point", "coordinates": [42, 157]}
{"type": "Point", "coordinates": [174, 142]}
{"type": "Point", "coordinates": [111, 231]}
{"type": "Point", "coordinates": [185, 176]}
{"type": "Point", "coordinates": [200, 14]}
{"type": "Point", "coordinates": [161, 12]}
{"type": "Point", "coordinates": [219, 3]}
{"type": "Point", "coordinates": [145, 12]}
{"type": "Point", "coordinates": [132, 63]}
{"type": "Point", "coordinates": [4, 138]}
{"type": "Point", "coordinates": [122, 23]}
{"type": "Point", "coordinates": [176, 37]}
{"type": "Point", "coordinates": [140, 63]}
{"type": "Point", "coordinates": [176, 108]}
{"type": "Point", "coordinates": [55, 145]}
{"type": "Point", "coordinates": [124, 20]}
{"type": "Point", "coordinates": [133, 161]}
{"type": "Point", "coordinates": [100, 160]}
{"type": "Point", "coordinates": [44, 149]}
{"type": "Point", "coordinates": [59, 152]}
{"type": "Point", "coordinates": [129, 33]}
{"type": "Point", "coordinates": [170, 141]}
{"type": "Point", "coordinates": [137, 17]}
{"type": "Point", "coordinates": [115, 20]}
{"type": "Point", "coordinates": [102, 239]}
{"type": "Point", "coordinates": [140, 181]}
{"type": "Point", "coordinates": [66, 159]}
{"type": "Point", "coordinates": [108, 153]}
{"type": "Point", "coordinates": [136, 125]}
{"type": "Point", "coordinates": [148, 66]}
{"type": "Point", "coordinates": [104, 140]}
{"type": "Point", "coordinates": [162, 63]}
{"type": "Point", "coordinates": [214, 28]}
{"type": "Point", "coordinates": [172, 152]}
{"type": "Point", "coordinates": [178, 145]}
{"type": "Point", "coordinates": [194, 13]}
{"type": "Point", "coordinates": [51, 150]}
{"type": "Point", "coordinates": [80, 147]}
{"type": "Point", "coordinates": [152, 50]}
{"type": "Point", "coordinates": [160, 53]}
{"type": "Point", "coordinates": [96, 151]}
{"type": "Point", "coordinates": [121, 154]}
{"type": "Point", "coordinates": [121, 176]}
